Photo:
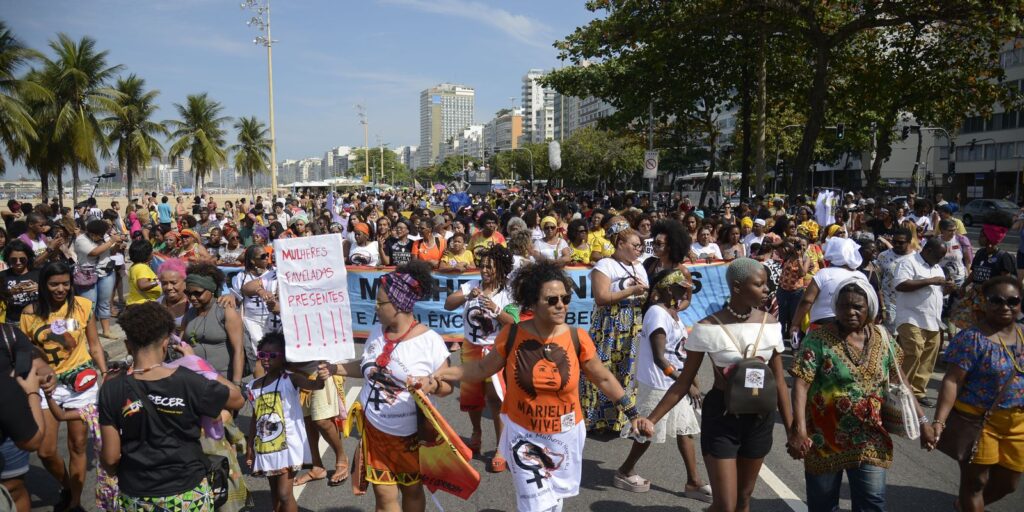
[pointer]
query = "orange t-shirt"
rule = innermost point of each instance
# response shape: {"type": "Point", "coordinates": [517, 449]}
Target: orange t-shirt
{"type": "Point", "coordinates": [546, 399]}
{"type": "Point", "coordinates": [420, 250]}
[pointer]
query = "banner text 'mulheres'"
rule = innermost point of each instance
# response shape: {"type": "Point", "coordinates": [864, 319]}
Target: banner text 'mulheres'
{"type": "Point", "coordinates": [303, 253]}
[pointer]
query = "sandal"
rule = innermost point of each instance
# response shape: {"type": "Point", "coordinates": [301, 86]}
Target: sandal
{"type": "Point", "coordinates": [633, 483]}
{"type": "Point", "coordinates": [498, 464]}
{"type": "Point", "coordinates": [474, 443]}
{"type": "Point", "coordinates": [702, 493]}
{"type": "Point", "coordinates": [308, 477]}
{"type": "Point", "coordinates": [340, 470]}
{"type": "Point", "coordinates": [455, 347]}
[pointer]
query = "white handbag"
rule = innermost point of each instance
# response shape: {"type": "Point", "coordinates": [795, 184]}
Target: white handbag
{"type": "Point", "coordinates": [899, 405]}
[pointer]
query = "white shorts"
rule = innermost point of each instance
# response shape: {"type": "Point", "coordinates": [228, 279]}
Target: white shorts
{"type": "Point", "coordinates": [546, 468]}
{"type": "Point", "coordinates": [681, 420]}
{"type": "Point", "coordinates": [68, 399]}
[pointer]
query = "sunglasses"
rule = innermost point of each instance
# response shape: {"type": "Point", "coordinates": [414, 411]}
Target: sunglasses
{"type": "Point", "coordinates": [18, 260]}
{"type": "Point", "coordinates": [546, 228]}
{"type": "Point", "coordinates": [553, 300]}
{"type": "Point", "coordinates": [996, 300]}
{"type": "Point", "coordinates": [194, 293]}
{"type": "Point", "coordinates": [263, 256]}
{"type": "Point", "coordinates": [268, 355]}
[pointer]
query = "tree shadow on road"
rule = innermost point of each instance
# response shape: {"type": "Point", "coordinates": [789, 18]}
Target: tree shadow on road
{"type": "Point", "coordinates": [619, 506]}
{"type": "Point", "coordinates": [596, 477]}
{"type": "Point", "coordinates": [903, 497]}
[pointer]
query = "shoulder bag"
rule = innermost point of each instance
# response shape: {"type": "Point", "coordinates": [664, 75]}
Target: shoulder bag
{"type": "Point", "coordinates": [959, 439]}
{"type": "Point", "coordinates": [746, 379]}
{"type": "Point", "coordinates": [217, 467]}
{"type": "Point", "coordinates": [899, 410]}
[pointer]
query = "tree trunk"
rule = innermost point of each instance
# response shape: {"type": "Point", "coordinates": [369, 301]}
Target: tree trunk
{"type": "Point", "coordinates": [712, 142]}
{"type": "Point", "coordinates": [917, 161]}
{"type": "Point", "coordinates": [883, 149]}
{"type": "Point", "coordinates": [760, 112]}
{"type": "Point", "coordinates": [44, 184]}
{"type": "Point", "coordinates": [74, 185]}
{"type": "Point", "coordinates": [130, 170]}
{"type": "Point", "coordinates": [745, 155]}
{"type": "Point", "coordinates": [60, 187]}
{"type": "Point", "coordinates": [815, 118]}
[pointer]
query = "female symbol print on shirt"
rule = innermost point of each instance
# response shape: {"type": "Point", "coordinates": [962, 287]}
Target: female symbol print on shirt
{"type": "Point", "coordinates": [360, 259]}
{"type": "Point", "coordinates": [383, 388]}
{"type": "Point", "coordinates": [270, 434]}
{"type": "Point", "coordinates": [480, 324]}
{"type": "Point", "coordinates": [539, 460]}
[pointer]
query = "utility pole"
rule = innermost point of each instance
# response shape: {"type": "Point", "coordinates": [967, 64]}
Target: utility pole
{"type": "Point", "coordinates": [361, 110]}
{"type": "Point", "coordinates": [262, 21]}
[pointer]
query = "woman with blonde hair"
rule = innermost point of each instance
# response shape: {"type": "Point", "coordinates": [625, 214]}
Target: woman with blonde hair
{"type": "Point", "coordinates": [915, 240]}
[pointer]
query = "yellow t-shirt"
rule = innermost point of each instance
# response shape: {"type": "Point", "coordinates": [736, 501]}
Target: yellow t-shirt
{"type": "Point", "coordinates": [448, 259]}
{"type": "Point", "coordinates": [599, 245]}
{"type": "Point", "coordinates": [136, 296]}
{"type": "Point", "coordinates": [65, 351]}
{"type": "Point", "coordinates": [580, 255]}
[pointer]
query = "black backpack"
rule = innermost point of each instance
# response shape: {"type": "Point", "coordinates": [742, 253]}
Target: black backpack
{"type": "Point", "coordinates": [750, 387]}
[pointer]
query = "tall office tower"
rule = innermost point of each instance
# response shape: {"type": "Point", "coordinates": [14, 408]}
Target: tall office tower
{"type": "Point", "coordinates": [445, 110]}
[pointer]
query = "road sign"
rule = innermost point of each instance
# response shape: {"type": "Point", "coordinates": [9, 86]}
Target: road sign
{"type": "Point", "coordinates": [650, 165]}
{"type": "Point", "coordinates": [949, 178]}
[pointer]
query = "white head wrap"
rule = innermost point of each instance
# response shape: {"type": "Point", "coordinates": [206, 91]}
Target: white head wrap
{"type": "Point", "coordinates": [872, 297]}
{"type": "Point", "coordinates": [843, 252]}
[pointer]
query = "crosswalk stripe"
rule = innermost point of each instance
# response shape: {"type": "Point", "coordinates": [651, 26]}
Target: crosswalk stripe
{"type": "Point", "coordinates": [350, 396]}
{"type": "Point", "coordinates": [786, 494]}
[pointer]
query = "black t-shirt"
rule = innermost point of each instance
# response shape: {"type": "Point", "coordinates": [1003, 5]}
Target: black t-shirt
{"type": "Point", "coordinates": [14, 346]}
{"type": "Point", "coordinates": [877, 227]}
{"type": "Point", "coordinates": [161, 456]}
{"type": "Point", "coordinates": [987, 265]}
{"type": "Point", "coordinates": [399, 253]}
{"type": "Point", "coordinates": [18, 299]}
{"type": "Point", "coordinates": [16, 422]}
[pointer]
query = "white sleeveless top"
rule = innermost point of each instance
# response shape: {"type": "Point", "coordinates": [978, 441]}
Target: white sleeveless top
{"type": "Point", "coordinates": [713, 340]}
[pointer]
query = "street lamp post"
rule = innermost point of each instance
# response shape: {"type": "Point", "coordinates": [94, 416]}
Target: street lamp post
{"type": "Point", "coordinates": [361, 110]}
{"type": "Point", "coordinates": [262, 21]}
{"type": "Point", "coordinates": [531, 163]}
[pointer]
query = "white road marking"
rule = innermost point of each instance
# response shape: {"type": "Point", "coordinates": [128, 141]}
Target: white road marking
{"type": "Point", "coordinates": [787, 495]}
{"type": "Point", "coordinates": [350, 397]}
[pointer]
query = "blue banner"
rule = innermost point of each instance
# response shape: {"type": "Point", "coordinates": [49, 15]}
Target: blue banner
{"type": "Point", "coordinates": [710, 293]}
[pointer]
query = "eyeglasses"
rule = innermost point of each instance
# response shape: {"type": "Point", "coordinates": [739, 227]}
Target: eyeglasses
{"type": "Point", "coordinates": [268, 355]}
{"type": "Point", "coordinates": [553, 300]}
{"type": "Point", "coordinates": [658, 243]}
{"type": "Point", "coordinates": [638, 246]}
{"type": "Point", "coordinates": [996, 300]}
{"type": "Point", "coordinates": [194, 293]}
{"type": "Point", "coordinates": [21, 259]}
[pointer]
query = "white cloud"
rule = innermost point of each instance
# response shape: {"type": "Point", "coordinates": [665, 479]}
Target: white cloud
{"type": "Point", "coordinates": [522, 28]}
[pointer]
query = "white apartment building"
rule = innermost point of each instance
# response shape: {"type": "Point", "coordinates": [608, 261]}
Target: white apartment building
{"type": "Point", "coordinates": [445, 110]}
{"type": "Point", "coordinates": [538, 108]}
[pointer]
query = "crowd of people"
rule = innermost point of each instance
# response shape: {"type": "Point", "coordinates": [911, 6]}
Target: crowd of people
{"type": "Point", "coordinates": [863, 294]}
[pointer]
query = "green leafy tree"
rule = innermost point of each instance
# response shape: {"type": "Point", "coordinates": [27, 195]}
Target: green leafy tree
{"type": "Point", "coordinates": [77, 77]}
{"type": "Point", "coordinates": [44, 157]}
{"type": "Point", "coordinates": [252, 153]}
{"type": "Point", "coordinates": [591, 156]}
{"type": "Point", "coordinates": [198, 134]}
{"type": "Point", "coordinates": [132, 128]}
{"type": "Point", "coordinates": [395, 171]}
{"type": "Point", "coordinates": [17, 126]}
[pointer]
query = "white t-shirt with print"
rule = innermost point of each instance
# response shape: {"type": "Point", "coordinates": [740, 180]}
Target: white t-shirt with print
{"type": "Point", "coordinates": [621, 275]}
{"type": "Point", "coordinates": [657, 317]}
{"type": "Point", "coordinates": [550, 251]}
{"type": "Point", "coordinates": [386, 402]}
{"type": "Point", "coordinates": [709, 251]}
{"type": "Point", "coordinates": [480, 323]}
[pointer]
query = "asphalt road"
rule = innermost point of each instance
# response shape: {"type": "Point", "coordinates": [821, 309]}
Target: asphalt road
{"type": "Point", "coordinates": [918, 480]}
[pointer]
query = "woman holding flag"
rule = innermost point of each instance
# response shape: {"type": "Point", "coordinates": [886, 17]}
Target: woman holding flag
{"type": "Point", "coordinates": [399, 349]}
{"type": "Point", "coordinates": [488, 307]}
{"type": "Point", "coordinates": [543, 432]}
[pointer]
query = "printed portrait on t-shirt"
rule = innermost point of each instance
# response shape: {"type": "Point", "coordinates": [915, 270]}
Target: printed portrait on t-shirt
{"type": "Point", "coordinates": [270, 429]}
{"type": "Point", "coordinates": [541, 367]}
{"type": "Point", "coordinates": [359, 258]}
{"type": "Point", "coordinates": [539, 460]}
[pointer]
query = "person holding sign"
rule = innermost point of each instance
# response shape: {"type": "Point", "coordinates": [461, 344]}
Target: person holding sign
{"type": "Point", "coordinates": [744, 344]}
{"type": "Point", "coordinates": [398, 349]}
{"type": "Point", "coordinates": [488, 307]}
{"type": "Point", "coordinates": [543, 358]}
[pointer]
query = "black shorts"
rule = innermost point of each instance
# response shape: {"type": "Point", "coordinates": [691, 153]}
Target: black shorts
{"type": "Point", "coordinates": [728, 436]}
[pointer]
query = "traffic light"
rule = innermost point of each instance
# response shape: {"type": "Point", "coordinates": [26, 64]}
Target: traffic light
{"type": "Point", "coordinates": [952, 167]}
{"type": "Point", "coordinates": [906, 132]}
{"type": "Point", "coordinates": [840, 129]}
{"type": "Point", "coordinates": [971, 147]}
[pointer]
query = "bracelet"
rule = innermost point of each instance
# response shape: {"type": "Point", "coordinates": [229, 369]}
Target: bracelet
{"type": "Point", "coordinates": [923, 420]}
{"type": "Point", "coordinates": [631, 413]}
{"type": "Point", "coordinates": [939, 423]}
{"type": "Point", "coordinates": [669, 370]}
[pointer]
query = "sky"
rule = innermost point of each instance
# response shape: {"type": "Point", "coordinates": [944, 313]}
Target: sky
{"type": "Point", "coordinates": [330, 55]}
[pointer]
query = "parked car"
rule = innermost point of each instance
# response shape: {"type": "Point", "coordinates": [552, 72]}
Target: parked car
{"type": "Point", "coordinates": [984, 210]}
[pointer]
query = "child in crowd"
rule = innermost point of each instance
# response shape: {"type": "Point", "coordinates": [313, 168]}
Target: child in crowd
{"type": "Point", "coordinates": [143, 286]}
{"type": "Point", "coordinates": [277, 445]}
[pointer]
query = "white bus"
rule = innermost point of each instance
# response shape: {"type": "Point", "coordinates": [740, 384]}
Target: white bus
{"type": "Point", "coordinates": [723, 185]}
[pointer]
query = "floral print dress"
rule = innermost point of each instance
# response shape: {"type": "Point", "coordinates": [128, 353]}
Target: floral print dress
{"type": "Point", "coordinates": [844, 402]}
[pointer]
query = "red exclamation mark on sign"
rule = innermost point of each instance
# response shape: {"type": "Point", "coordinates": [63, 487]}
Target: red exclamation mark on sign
{"type": "Point", "coordinates": [298, 343]}
{"type": "Point", "coordinates": [309, 333]}
{"type": "Point", "coordinates": [341, 321]}
{"type": "Point", "coordinates": [322, 335]}
{"type": "Point", "coordinates": [334, 328]}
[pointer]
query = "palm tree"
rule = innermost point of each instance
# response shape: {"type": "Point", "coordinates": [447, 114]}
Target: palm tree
{"type": "Point", "coordinates": [253, 149]}
{"type": "Point", "coordinates": [45, 158]}
{"type": "Point", "coordinates": [199, 134]}
{"type": "Point", "coordinates": [17, 127]}
{"type": "Point", "coordinates": [132, 129]}
{"type": "Point", "coordinates": [78, 77]}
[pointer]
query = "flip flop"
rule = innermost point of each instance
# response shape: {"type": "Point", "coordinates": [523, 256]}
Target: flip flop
{"type": "Point", "coordinates": [308, 477]}
{"type": "Point", "coordinates": [339, 470]}
{"type": "Point", "coordinates": [634, 483]}
{"type": "Point", "coordinates": [702, 493]}
{"type": "Point", "coordinates": [498, 464]}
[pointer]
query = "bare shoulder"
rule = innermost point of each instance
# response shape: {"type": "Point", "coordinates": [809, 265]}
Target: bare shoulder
{"type": "Point", "coordinates": [768, 317]}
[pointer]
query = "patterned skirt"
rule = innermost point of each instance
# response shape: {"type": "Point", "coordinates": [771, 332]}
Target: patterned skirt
{"type": "Point", "coordinates": [616, 331]}
{"type": "Point", "coordinates": [106, 484]}
{"type": "Point", "coordinates": [199, 499]}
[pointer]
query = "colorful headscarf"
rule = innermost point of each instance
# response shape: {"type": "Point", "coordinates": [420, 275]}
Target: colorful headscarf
{"type": "Point", "coordinates": [746, 222]}
{"type": "Point", "coordinates": [869, 292]}
{"type": "Point", "coordinates": [361, 227]}
{"type": "Point", "coordinates": [994, 234]}
{"type": "Point", "coordinates": [843, 252]}
{"type": "Point", "coordinates": [831, 232]}
{"type": "Point", "coordinates": [618, 227]}
{"type": "Point", "coordinates": [808, 229]}
{"type": "Point", "coordinates": [260, 231]}
{"type": "Point", "coordinates": [204, 282]}
{"type": "Point", "coordinates": [676, 277]}
{"type": "Point", "coordinates": [402, 290]}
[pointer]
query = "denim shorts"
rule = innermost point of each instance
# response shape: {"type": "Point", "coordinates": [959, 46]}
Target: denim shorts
{"type": "Point", "coordinates": [15, 460]}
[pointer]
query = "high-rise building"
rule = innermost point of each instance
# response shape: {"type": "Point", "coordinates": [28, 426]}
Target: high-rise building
{"type": "Point", "coordinates": [591, 110]}
{"type": "Point", "coordinates": [445, 110]}
{"type": "Point", "coordinates": [503, 131]}
{"type": "Point", "coordinates": [566, 115]}
{"type": "Point", "coordinates": [538, 108]}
